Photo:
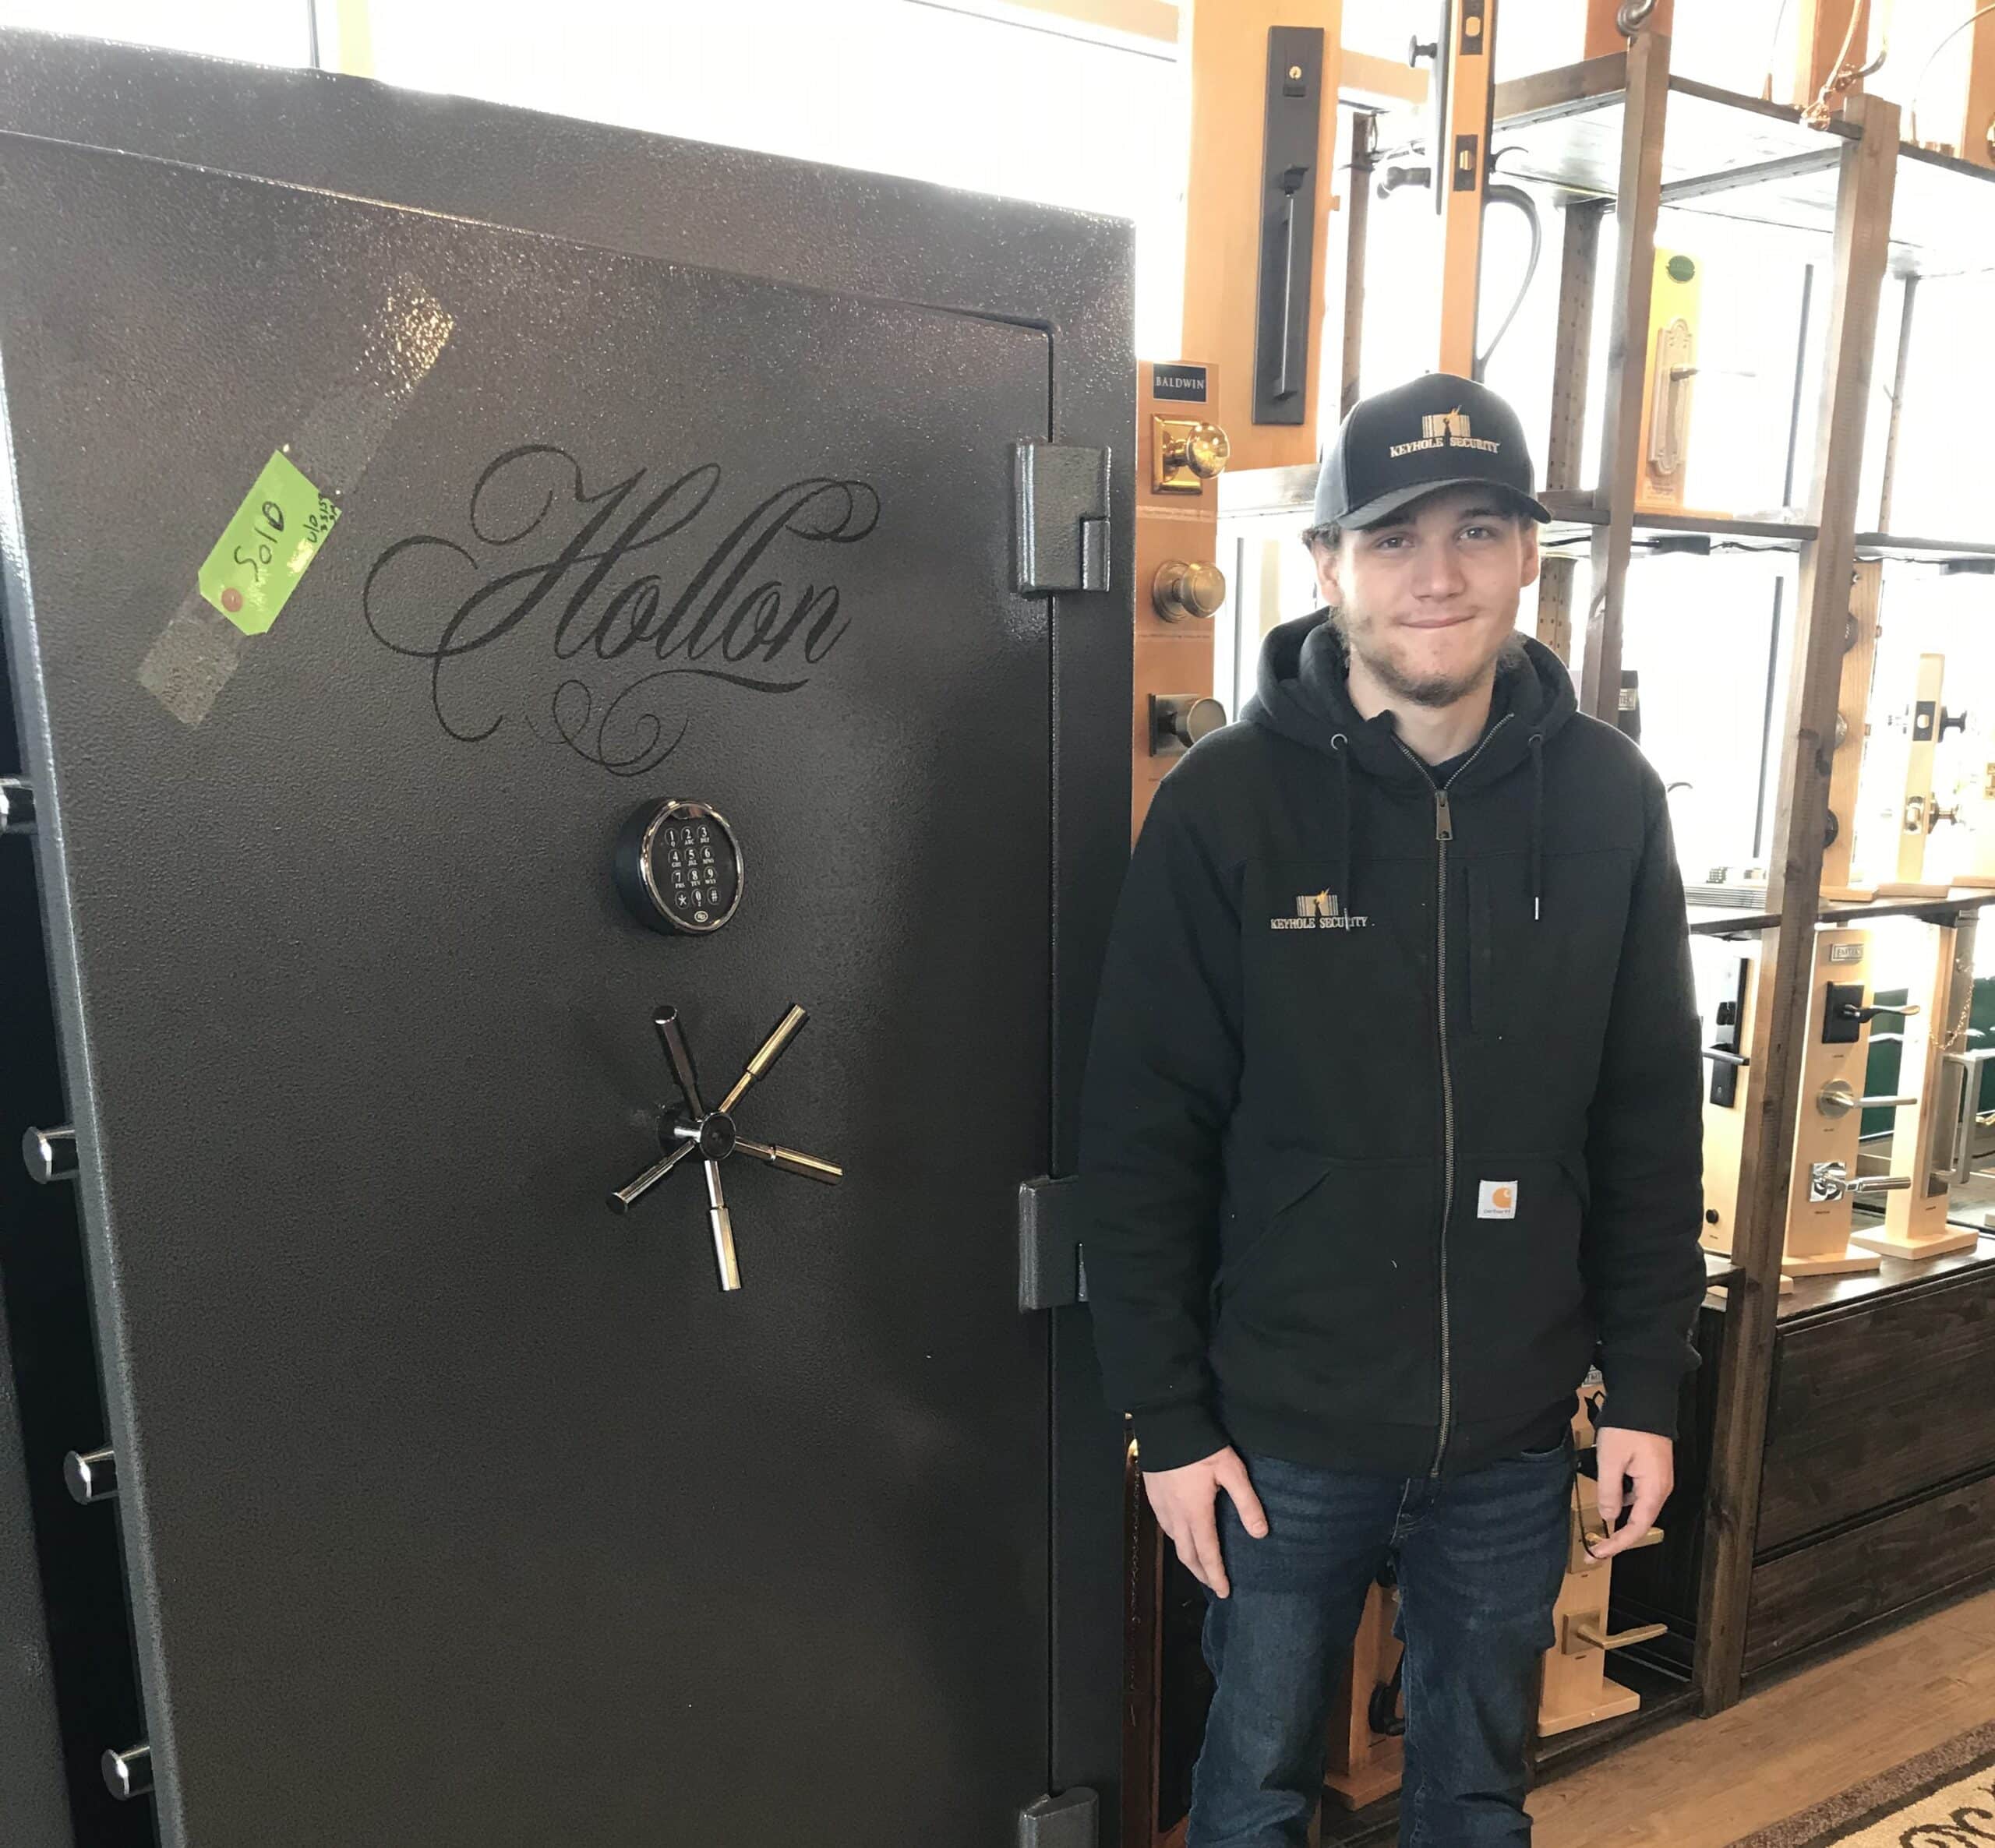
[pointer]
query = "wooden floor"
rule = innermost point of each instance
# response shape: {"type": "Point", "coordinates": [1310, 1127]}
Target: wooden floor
{"type": "Point", "coordinates": [1704, 1783]}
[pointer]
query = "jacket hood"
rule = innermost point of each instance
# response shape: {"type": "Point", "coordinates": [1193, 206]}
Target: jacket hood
{"type": "Point", "coordinates": [1302, 693]}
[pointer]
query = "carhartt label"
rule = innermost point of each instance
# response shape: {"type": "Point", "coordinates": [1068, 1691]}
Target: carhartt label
{"type": "Point", "coordinates": [1498, 1201]}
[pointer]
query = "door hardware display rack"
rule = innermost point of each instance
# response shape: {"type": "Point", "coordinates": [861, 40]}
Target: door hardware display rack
{"type": "Point", "coordinates": [1623, 133]}
{"type": "Point", "coordinates": [1744, 1588]}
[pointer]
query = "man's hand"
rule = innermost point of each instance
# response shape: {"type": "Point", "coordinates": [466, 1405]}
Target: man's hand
{"type": "Point", "coordinates": [1184, 1501]}
{"type": "Point", "coordinates": [1648, 1465]}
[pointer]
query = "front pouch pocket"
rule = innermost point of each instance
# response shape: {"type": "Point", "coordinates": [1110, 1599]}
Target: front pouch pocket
{"type": "Point", "coordinates": [1520, 1334]}
{"type": "Point", "coordinates": [1327, 1307]}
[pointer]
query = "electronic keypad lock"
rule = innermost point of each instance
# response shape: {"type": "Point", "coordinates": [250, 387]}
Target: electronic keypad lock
{"type": "Point", "coordinates": [678, 868]}
{"type": "Point", "coordinates": [712, 1135]}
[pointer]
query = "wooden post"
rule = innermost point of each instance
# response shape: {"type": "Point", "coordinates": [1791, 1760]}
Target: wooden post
{"type": "Point", "coordinates": [1977, 114]}
{"type": "Point", "coordinates": [1863, 215]}
{"type": "Point", "coordinates": [1636, 201]}
{"type": "Point", "coordinates": [1572, 352]}
{"type": "Point", "coordinates": [1229, 60]}
{"type": "Point", "coordinates": [1821, 28]}
{"type": "Point", "coordinates": [1357, 220]}
{"type": "Point", "coordinates": [1852, 708]}
{"type": "Point", "coordinates": [1461, 171]}
{"type": "Point", "coordinates": [1554, 626]}
{"type": "Point", "coordinates": [1604, 34]}
{"type": "Point", "coordinates": [1565, 443]}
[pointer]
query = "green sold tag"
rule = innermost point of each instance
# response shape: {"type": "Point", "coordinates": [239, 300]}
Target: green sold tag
{"type": "Point", "coordinates": [262, 552]}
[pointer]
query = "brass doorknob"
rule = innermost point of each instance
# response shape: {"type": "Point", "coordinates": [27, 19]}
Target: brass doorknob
{"type": "Point", "coordinates": [1187, 453]}
{"type": "Point", "coordinates": [1207, 450]}
{"type": "Point", "coordinates": [1180, 589]}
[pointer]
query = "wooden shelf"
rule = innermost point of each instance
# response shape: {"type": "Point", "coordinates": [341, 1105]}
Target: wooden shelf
{"type": "Point", "coordinates": [1731, 156]}
{"type": "Point", "coordinates": [1719, 919]}
{"type": "Point", "coordinates": [1719, 1270]}
{"type": "Point", "coordinates": [1896, 545]}
{"type": "Point", "coordinates": [1575, 510]}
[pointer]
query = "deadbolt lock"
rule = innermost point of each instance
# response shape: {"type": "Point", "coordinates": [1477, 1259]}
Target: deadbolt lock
{"type": "Point", "coordinates": [1185, 454]}
{"type": "Point", "coordinates": [1178, 721]}
{"type": "Point", "coordinates": [1179, 589]}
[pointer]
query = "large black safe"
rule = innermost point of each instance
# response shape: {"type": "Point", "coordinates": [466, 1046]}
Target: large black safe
{"type": "Point", "coordinates": [501, 613]}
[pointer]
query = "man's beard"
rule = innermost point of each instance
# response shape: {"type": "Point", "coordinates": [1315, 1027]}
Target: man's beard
{"type": "Point", "coordinates": [1436, 690]}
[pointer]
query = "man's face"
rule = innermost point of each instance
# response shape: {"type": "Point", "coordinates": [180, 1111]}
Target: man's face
{"type": "Point", "coordinates": [1428, 597]}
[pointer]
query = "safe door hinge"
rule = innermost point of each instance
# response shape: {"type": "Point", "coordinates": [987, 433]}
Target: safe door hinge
{"type": "Point", "coordinates": [1070, 1819]}
{"type": "Point", "coordinates": [1052, 1267]}
{"type": "Point", "coordinates": [1061, 529]}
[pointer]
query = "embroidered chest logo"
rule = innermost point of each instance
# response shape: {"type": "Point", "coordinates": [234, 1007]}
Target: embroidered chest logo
{"type": "Point", "coordinates": [1497, 1199]}
{"type": "Point", "coordinates": [1319, 911]}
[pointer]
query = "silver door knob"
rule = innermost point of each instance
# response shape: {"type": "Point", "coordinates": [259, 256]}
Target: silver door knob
{"type": "Point", "coordinates": [712, 1135]}
{"type": "Point", "coordinates": [50, 1154]}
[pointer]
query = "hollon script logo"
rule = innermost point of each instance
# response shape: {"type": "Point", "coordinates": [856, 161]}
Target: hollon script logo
{"type": "Point", "coordinates": [1319, 911]}
{"type": "Point", "coordinates": [570, 573]}
{"type": "Point", "coordinates": [1446, 429]}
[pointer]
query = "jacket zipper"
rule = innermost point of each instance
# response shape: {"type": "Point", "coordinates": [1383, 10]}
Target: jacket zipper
{"type": "Point", "coordinates": [1444, 832]}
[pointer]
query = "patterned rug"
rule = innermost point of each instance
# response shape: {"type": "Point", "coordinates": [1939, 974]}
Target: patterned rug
{"type": "Point", "coordinates": [1944, 1798]}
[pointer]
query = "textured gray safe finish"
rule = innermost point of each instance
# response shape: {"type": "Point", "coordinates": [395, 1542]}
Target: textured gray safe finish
{"type": "Point", "coordinates": [827, 228]}
{"type": "Point", "coordinates": [461, 1511]}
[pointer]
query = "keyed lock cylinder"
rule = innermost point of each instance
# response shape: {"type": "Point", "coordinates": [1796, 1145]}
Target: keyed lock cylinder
{"type": "Point", "coordinates": [712, 1134]}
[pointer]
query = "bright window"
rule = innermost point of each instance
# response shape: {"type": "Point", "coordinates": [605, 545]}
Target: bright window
{"type": "Point", "coordinates": [1018, 103]}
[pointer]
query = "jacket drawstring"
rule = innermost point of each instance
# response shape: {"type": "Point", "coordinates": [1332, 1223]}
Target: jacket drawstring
{"type": "Point", "coordinates": [1340, 751]}
{"type": "Point", "coordinates": [1536, 826]}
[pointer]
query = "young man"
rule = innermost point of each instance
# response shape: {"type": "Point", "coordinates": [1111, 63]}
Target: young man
{"type": "Point", "coordinates": [1391, 1128]}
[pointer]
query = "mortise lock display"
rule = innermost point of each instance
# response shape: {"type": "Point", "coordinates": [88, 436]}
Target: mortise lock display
{"type": "Point", "coordinates": [711, 1134]}
{"type": "Point", "coordinates": [1182, 589]}
{"type": "Point", "coordinates": [1185, 454]}
{"type": "Point", "coordinates": [1846, 1015]}
{"type": "Point", "coordinates": [678, 868]}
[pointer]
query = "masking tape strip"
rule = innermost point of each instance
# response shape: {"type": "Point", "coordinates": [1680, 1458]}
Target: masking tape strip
{"type": "Point", "coordinates": [199, 649]}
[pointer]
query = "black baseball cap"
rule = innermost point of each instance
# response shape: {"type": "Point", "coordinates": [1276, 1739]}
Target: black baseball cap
{"type": "Point", "coordinates": [1437, 431]}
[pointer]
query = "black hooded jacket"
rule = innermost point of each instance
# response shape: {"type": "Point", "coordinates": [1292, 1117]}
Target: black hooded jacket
{"type": "Point", "coordinates": [1330, 1218]}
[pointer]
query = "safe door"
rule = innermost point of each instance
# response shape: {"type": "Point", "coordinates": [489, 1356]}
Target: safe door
{"type": "Point", "coordinates": [561, 1335]}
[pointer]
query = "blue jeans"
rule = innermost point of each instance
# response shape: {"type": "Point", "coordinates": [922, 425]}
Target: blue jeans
{"type": "Point", "coordinates": [1480, 1559]}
